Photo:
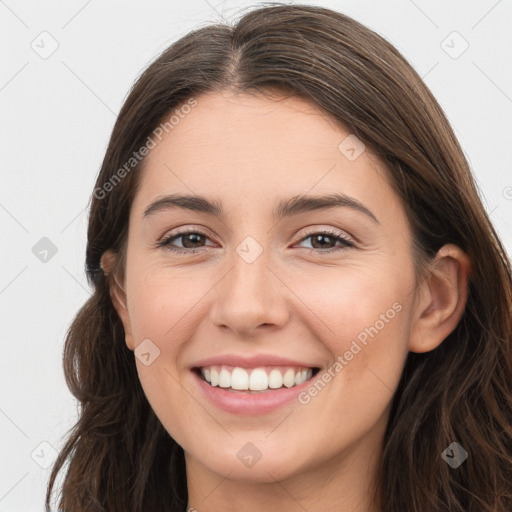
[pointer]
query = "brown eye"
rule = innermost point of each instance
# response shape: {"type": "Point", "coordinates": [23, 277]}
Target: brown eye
{"type": "Point", "coordinates": [191, 241]}
{"type": "Point", "coordinates": [325, 241]}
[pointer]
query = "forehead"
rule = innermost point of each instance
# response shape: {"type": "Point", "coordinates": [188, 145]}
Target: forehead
{"type": "Point", "coordinates": [256, 146]}
{"type": "Point", "coordinates": [246, 124]}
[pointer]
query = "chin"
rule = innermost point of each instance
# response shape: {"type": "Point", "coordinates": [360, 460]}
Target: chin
{"type": "Point", "coordinates": [266, 469]}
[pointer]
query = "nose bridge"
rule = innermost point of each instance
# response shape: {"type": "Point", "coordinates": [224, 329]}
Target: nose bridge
{"type": "Point", "coordinates": [249, 278]}
{"type": "Point", "coordinates": [248, 296]}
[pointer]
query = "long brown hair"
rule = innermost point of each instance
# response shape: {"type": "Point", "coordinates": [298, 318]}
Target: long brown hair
{"type": "Point", "coordinates": [120, 458]}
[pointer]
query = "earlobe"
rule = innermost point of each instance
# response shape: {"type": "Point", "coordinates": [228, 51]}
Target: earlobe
{"type": "Point", "coordinates": [117, 295]}
{"type": "Point", "coordinates": [443, 299]}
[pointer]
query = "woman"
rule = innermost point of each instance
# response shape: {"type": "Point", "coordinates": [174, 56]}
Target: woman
{"type": "Point", "coordinates": [221, 363]}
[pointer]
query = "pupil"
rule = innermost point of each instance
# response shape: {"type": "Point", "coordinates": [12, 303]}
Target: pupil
{"type": "Point", "coordinates": [192, 236]}
{"type": "Point", "coordinates": [323, 238]}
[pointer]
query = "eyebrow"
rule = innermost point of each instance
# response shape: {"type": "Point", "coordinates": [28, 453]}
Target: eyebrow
{"type": "Point", "coordinates": [287, 208]}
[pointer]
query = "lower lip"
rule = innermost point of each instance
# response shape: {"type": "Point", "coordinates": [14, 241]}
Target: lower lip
{"type": "Point", "coordinates": [250, 404]}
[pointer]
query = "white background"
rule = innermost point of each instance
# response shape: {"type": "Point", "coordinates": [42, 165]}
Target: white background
{"type": "Point", "coordinates": [56, 117]}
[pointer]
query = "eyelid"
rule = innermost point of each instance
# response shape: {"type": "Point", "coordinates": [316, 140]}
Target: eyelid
{"type": "Point", "coordinates": [186, 228]}
{"type": "Point", "coordinates": [337, 234]}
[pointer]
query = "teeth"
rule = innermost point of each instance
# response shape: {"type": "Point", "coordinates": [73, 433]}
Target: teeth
{"type": "Point", "coordinates": [275, 379]}
{"type": "Point", "coordinates": [224, 379]}
{"type": "Point", "coordinates": [214, 374]}
{"type": "Point", "coordinates": [300, 377]}
{"type": "Point", "coordinates": [257, 379]}
{"type": "Point", "coordinates": [239, 379]}
{"type": "Point", "coordinates": [289, 378]}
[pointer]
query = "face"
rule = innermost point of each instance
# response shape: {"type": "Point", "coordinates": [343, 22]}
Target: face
{"type": "Point", "coordinates": [321, 293]}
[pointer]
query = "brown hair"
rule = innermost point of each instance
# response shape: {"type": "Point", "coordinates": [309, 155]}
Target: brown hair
{"type": "Point", "coordinates": [120, 456]}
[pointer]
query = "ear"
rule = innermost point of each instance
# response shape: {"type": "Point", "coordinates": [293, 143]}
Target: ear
{"type": "Point", "coordinates": [441, 299]}
{"type": "Point", "coordinates": [117, 295]}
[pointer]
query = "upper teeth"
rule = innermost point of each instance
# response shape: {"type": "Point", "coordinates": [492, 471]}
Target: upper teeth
{"type": "Point", "coordinates": [257, 379]}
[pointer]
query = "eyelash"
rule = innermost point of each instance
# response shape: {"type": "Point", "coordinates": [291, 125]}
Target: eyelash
{"type": "Point", "coordinates": [166, 242]}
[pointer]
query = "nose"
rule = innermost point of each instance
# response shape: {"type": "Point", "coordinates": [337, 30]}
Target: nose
{"type": "Point", "coordinates": [251, 296]}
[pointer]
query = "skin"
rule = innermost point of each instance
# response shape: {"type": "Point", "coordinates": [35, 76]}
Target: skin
{"type": "Point", "coordinates": [294, 300]}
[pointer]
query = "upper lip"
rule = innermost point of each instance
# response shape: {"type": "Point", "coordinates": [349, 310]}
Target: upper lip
{"type": "Point", "coordinates": [254, 361]}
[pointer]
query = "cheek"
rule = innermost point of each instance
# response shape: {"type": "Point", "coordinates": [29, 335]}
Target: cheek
{"type": "Point", "coordinates": [161, 309]}
{"type": "Point", "coordinates": [369, 322]}
{"type": "Point", "coordinates": [353, 302]}
{"type": "Point", "coordinates": [365, 322]}
{"type": "Point", "coordinates": [161, 302]}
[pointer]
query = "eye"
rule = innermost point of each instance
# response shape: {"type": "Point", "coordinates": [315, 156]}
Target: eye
{"type": "Point", "coordinates": [189, 240]}
{"type": "Point", "coordinates": [324, 238]}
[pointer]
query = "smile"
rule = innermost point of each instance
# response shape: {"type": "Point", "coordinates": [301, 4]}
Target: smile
{"type": "Point", "coordinates": [260, 379]}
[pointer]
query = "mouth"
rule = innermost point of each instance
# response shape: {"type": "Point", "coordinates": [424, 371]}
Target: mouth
{"type": "Point", "coordinates": [262, 379]}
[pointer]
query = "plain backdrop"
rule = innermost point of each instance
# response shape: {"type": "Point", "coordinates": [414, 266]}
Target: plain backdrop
{"type": "Point", "coordinates": [65, 70]}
